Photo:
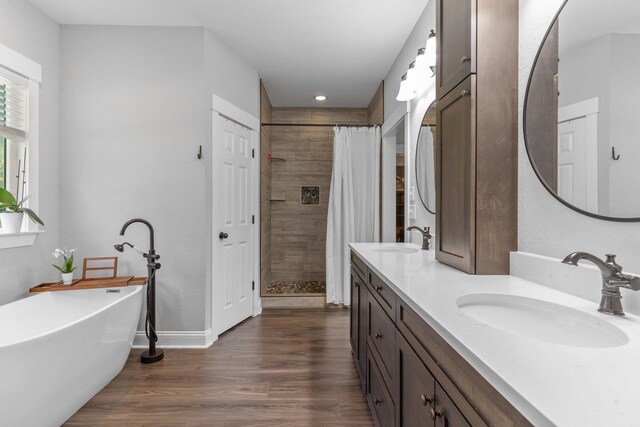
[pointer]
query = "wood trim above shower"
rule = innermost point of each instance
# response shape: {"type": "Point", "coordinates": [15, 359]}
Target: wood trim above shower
{"type": "Point", "coordinates": [375, 110]}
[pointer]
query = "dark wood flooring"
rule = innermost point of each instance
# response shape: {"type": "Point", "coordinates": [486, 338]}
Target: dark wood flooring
{"type": "Point", "coordinates": [288, 367]}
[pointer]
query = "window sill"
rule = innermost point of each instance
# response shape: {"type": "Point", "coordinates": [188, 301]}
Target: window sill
{"type": "Point", "coordinates": [18, 240]}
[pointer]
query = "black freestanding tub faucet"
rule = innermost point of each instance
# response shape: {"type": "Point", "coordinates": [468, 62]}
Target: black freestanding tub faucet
{"type": "Point", "coordinates": [153, 354]}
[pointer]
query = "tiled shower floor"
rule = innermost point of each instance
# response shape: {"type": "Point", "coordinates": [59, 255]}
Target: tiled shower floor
{"type": "Point", "coordinates": [296, 288]}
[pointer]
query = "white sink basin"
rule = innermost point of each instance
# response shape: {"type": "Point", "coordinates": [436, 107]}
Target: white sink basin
{"type": "Point", "coordinates": [397, 250]}
{"type": "Point", "coordinates": [541, 320]}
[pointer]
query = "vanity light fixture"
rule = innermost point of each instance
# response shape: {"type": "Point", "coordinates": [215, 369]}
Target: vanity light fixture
{"type": "Point", "coordinates": [413, 76]}
{"type": "Point", "coordinates": [405, 93]}
{"type": "Point", "coordinates": [430, 51]}
{"type": "Point", "coordinates": [320, 98]}
{"type": "Point", "coordinates": [421, 62]}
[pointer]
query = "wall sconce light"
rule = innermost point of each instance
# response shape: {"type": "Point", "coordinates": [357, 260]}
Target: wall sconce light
{"type": "Point", "coordinates": [413, 77]}
{"type": "Point", "coordinates": [417, 76]}
{"type": "Point", "coordinates": [421, 62]}
{"type": "Point", "coordinates": [405, 93]}
{"type": "Point", "coordinates": [430, 51]}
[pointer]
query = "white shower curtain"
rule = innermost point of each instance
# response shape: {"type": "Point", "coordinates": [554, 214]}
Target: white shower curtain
{"type": "Point", "coordinates": [354, 203]}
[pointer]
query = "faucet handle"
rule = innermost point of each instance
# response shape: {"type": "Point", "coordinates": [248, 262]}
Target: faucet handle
{"type": "Point", "coordinates": [611, 258]}
{"type": "Point", "coordinates": [627, 281]}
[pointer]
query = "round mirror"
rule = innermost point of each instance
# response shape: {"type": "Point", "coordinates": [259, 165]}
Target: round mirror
{"type": "Point", "coordinates": [425, 160]}
{"type": "Point", "coordinates": [579, 115]}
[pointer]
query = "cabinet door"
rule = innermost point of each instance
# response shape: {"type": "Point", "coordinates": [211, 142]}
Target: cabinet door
{"type": "Point", "coordinates": [446, 414]}
{"type": "Point", "coordinates": [456, 35]}
{"type": "Point", "coordinates": [415, 393]}
{"type": "Point", "coordinates": [356, 307]}
{"type": "Point", "coordinates": [362, 331]}
{"type": "Point", "coordinates": [456, 177]}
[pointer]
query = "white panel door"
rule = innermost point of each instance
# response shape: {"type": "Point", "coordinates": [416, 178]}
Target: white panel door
{"type": "Point", "coordinates": [572, 162]}
{"type": "Point", "coordinates": [233, 254]}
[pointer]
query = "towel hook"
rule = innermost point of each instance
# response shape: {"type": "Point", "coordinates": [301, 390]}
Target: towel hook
{"type": "Point", "coordinates": [613, 154]}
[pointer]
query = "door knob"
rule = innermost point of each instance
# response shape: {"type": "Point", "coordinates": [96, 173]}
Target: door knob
{"type": "Point", "coordinates": [223, 235]}
{"type": "Point", "coordinates": [465, 59]}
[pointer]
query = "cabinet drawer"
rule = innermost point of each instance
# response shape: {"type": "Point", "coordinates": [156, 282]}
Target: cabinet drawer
{"type": "Point", "coordinates": [382, 338]}
{"type": "Point", "coordinates": [445, 412]}
{"type": "Point", "coordinates": [378, 396]}
{"type": "Point", "coordinates": [416, 389]}
{"type": "Point", "coordinates": [360, 267]}
{"type": "Point", "coordinates": [385, 295]}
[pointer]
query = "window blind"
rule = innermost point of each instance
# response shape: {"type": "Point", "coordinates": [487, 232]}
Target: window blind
{"type": "Point", "coordinates": [13, 106]}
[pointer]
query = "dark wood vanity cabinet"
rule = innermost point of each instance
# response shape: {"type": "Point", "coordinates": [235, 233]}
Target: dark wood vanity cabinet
{"type": "Point", "coordinates": [477, 137]}
{"type": "Point", "coordinates": [412, 377]}
{"type": "Point", "coordinates": [421, 400]}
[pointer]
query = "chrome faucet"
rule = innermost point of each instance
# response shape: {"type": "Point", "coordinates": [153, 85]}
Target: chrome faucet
{"type": "Point", "coordinates": [612, 280]}
{"type": "Point", "coordinates": [426, 236]}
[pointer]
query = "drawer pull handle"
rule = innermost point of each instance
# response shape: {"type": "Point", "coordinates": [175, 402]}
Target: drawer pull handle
{"type": "Point", "coordinates": [378, 288]}
{"type": "Point", "coordinates": [435, 413]}
{"type": "Point", "coordinates": [464, 59]}
{"type": "Point", "coordinates": [378, 336]}
{"type": "Point", "coordinates": [378, 402]}
{"type": "Point", "coordinates": [465, 93]}
{"type": "Point", "coordinates": [426, 400]}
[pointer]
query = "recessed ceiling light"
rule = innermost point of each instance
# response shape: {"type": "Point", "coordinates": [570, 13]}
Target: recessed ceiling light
{"type": "Point", "coordinates": [320, 98]}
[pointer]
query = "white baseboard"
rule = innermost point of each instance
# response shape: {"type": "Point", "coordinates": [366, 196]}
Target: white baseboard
{"type": "Point", "coordinates": [177, 339]}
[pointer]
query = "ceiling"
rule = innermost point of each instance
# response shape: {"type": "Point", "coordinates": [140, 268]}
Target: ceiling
{"type": "Point", "coordinates": [301, 48]}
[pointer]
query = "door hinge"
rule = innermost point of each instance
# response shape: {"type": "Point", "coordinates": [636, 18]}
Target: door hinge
{"type": "Point", "coordinates": [253, 286]}
{"type": "Point", "coordinates": [253, 219]}
{"type": "Point", "coordinates": [253, 153]}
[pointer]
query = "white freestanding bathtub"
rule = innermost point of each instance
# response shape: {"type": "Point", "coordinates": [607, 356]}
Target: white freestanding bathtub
{"type": "Point", "coordinates": [58, 349]}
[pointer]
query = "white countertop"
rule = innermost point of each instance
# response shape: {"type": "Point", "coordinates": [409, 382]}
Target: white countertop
{"type": "Point", "coordinates": [550, 384]}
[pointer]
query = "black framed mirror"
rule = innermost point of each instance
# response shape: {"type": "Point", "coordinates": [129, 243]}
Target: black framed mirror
{"type": "Point", "coordinates": [579, 110]}
{"type": "Point", "coordinates": [425, 160]}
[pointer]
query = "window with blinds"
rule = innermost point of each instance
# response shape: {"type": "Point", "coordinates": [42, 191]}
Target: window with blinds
{"type": "Point", "coordinates": [13, 121]}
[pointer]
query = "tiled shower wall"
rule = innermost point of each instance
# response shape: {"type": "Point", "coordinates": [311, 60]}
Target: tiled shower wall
{"type": "Point", "coordinates": [265, 189]}
{"type": "Point", "coordinates": [298, 232]}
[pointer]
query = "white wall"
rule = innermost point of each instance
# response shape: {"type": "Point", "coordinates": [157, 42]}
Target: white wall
{"type": "Point", "coordinates": [624, 197]}
{"type": "Point", "coordinates": [28, 31]}
{"type": "Point", "coordinates": [582, 78]}
{"type": "Point", "coordinates": [135, 107]}
{"type": "Point", "coordinates": [545, 226]}
{"type": "Point", "coordinates": [417, 107]}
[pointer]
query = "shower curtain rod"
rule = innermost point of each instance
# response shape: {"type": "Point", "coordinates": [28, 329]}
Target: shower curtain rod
{"type": "Point", "coordinates": [348, 125]}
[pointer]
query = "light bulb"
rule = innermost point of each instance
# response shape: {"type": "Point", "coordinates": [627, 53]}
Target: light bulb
{"type": "Point", "coordinates": [413, 77]}
{"type": "Point", "coordinates": [405, 93]}
{"type": "Point", "coordinates": [430, 50]}
{"type": "Point", "coordinates": [421, 70]}
{"type": "Point", "coordinates": [421, 62]}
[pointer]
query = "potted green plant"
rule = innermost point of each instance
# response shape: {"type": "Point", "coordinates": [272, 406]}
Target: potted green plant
{"type": "Point", "coordinates": [12, 212]}
{"type": "Point", "coordinates": [67, 268]}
